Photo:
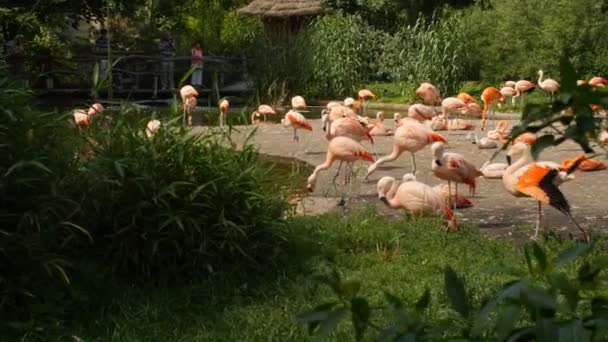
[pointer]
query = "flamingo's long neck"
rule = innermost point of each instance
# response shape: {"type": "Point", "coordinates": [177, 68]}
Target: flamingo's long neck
{"type": "Point", "coordinates": [524, 160]}
{"type": "Point", "coordinates": [390, 196]}
{"type": "Point", "coordinates": [328, 135]}
{"type": "Point", "coordinates": [540, 77]}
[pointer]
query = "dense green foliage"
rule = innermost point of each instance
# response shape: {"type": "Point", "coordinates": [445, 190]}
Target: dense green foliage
{"type": "Point", "coordinates": [83, 205]}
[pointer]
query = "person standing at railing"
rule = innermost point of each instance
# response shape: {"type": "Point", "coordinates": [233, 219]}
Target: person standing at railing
{"type": "Point", "coordinates": [196, 61]}
{"type": "Point", "coordinates": [167, 53]}
{"type": "Point", "coordinates": [101, 49]}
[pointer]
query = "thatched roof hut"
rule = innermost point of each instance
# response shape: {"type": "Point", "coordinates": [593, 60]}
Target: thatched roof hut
{"type": "Point", "coordinates": [283, 18]}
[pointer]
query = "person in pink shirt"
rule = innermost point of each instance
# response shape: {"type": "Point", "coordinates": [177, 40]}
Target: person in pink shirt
{"type": "Point", "coordinates": [196, 61]}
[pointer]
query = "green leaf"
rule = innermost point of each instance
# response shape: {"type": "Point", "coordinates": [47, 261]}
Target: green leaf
{"type": "Point", "coordinates": [395, 302]}
{"type": "Point", "coordinates": [318, 313]}
{"type": "Point", "coordinates": [454, 288]}
{"type": "Point", "coordinates": [541, 143]}
{"type": "Point", "coordinates": [588, 273]}
{"type": "Point", "coordinates": [509, 290]}
{"type": "Point", "coordinates": [506, 321]}
{"type": "Point", "coordinates": [349, 288]}
{"type": "Point", "coordinates": [328, 325]}
{"type": "Point", "coordinates": [572, 253]}
{"type": "Point", "coordinates": [545, 330]}
{"type": "Point", "coordinates": [573, 331]}
{"type": "Point", "coordinates": [408, 337]}
{"type": "Point", "coordinates": [539, 299]}
{"type": "Point", "coordinates": [360, 316]}
{"type": "Point", "coordinates": [561, 282]}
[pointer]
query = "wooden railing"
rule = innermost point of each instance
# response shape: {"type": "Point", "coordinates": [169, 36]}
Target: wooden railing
{"type": "Point", "coordinates": [138, 75]}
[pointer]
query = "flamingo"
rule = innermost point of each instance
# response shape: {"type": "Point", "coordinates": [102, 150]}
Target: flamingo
{"type": "Point", "coordinates": [526, 178]}
{"type": "Point", "coordinates": [397, 119]}
{"type": "Point", "coordinates": [364, 95]}
{"type": "Point", "coordinates": [581, 82]}
{"type": "Point", "coordinates": [510, 84]}
{"type": "Point", "coordinates": [152, 127]}
{"type": "Point", "coordinates": [452, 105]}
{"type": "Point", "coordinates": [349, 102]}
{"type": "Point", "coordinates": [586, 165]}
{"type": "Point", "coordinates": [420, 112]}
{"type": "Point", "coordinates": [298, 103]}
{"type": "Point", "coordinates": [598, 82]}
{"type": "Point", "coordinates": [378, 127]}
{"type": "Point", "coordinates": [474, 110]}
{"type": "Point", "coordinates": [521, 87]}
{"type": "Point", "coordinates": [412, 136]}
{"type": "Point", "coordinates": [494, 170]}
{"type": "Point", "coordinates": [489, 96]}
{"type": "Point", "coordinates": [224, 106]}
{"type": "Point", "coordinates": [484, 142]}
{"type": "Point", "coordinates": [452, 167]}
{"type": "Point", "coordinates": [340, 111]}
{"type": "Point", "coordinates": [83, 118]}
{"type": "Point", "coordinates": [262, 110]}
{"type": "Point", "coordinates": [508, 92]}
{"type": "Point", "coordinates": [429, 93]}
{"type": "Point", "coordinates": [440, 123]}
{"type": "Point", "coordinates": [549, 85]}
{"type": "Point", "coordinates": [415, 197]}
{"type": "Point", "coordinates": [343, 149]}
{"type": "Point", "coordinates": [296, 121]}
{"type": "Point", "coordinates": [189, 107]}
{"type": "Point", "coordinates": [187, 91]}
{"type": "Point", "coordinates": [466, 98]}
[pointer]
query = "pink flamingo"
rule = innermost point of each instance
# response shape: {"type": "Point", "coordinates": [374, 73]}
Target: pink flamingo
{"type": "Point", "coordinates": [429, 93]}
{"type": "Point", "coordinates": [188, 95]}
{"type": "Point", "coordinates": [415, 197]}
{"type": "Point", "coordinates": [364, 95]}
{"type": "Point", "coordinates": [397, 119]}
{"type": "Point", "coordinates": [598, 82]}
{"type": "Point", "coordinates": [420, 112]}
{"type": "Point", "coordinates": [187, 91]}
{"type": "Point", "coordinates": [224, 106]}
{"type": "Point", "coordinates": [296, 121]}
{"type": "Point", "coordinates": [298, 103]}
{"type": "Point", "coordinates": [549, 85]}
{"type": "Point", "coordinates": [440, 123]}
{"type": "Point", "coordinates": [412, 136]}
{"type": "Point", "coordinates": [83, 118]}
{"type": "Point", "coordinates": [539, 180]}
{"type": "Point", "coordinates": [490, 96]}
{"type": "Point", "coordinates": [510, 84]}
{"type": "Point", "coordinates": [378, 127]}
{"type": "Point", "coordinates": [507, 92]}
{"type": "Point", "coordinates": [152, 127]}
{"type": "Point", "coordinates": [451, 199]}
{"type": "Point", "coordinates": [521, 87]}
{"type": "Point", "coordinates": [343, 149]}
{"type": "Point", "coordinates": [452, 167]}
{"type": "Point", "coordinates": [263, 110]}
{"type": "Point", "coordinates": [474, 110]}
{"type": "Point", "coordinates": [466, 98]}
{"type": "Point", "coordinates": [451, 105]}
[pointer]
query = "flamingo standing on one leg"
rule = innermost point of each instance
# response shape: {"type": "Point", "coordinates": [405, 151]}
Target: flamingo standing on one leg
{"type": "Point", "coordinates": [188, 95]}
{"type": "Point", "coordinates": [523, 86]}
{"type": "Point", "coordinates": [224, 106]}
{"type": "Point", "coordinates": [263, 110]}
{"type": "Point", "coordinates": [411, 136]}
{"type": "Point", "coordinates": [429, 93]}
{"type": "Point", "coordinates": [415, 197]}
{"type": "Point", "coordinates": [489, 96]}
{"type": "Point", "coordinates": [296, 121]}
{"type": "Point", "coordinates": [452, 167]}
{"type": "Point", "coordinates": [525, 178]}
{"type": "Point", "coordinates": [549, 85]}
{"type": "Point", "coordinates": [343, 149]}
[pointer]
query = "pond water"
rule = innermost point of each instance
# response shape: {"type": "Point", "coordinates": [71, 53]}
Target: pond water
{"type": "Point", "coordinates": [289, 175]}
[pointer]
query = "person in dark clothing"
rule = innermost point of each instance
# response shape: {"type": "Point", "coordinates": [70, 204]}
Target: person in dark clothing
{"type": "Point", "coordinates": [167, 53]}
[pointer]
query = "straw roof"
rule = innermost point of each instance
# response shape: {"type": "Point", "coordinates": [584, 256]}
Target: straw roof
{"type": "Point", "coordinates": [282, 8]}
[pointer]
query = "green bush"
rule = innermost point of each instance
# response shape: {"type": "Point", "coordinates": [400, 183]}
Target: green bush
{"type": "Point", "coordinates": [178, 205]}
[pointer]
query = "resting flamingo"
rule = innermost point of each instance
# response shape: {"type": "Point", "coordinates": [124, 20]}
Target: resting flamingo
{"type": "Point", "coordinates": [598, 82]}
{"type": "Point", "coordinates": [466, 98]}
{"type": "Point", "coordinates": [586, 165]}
{"type": "Point", "coordinates": [263, 110]}
{"type": "Point", "coordinates": [429, 93]}
{"type": "Point", "coordinates": [420, 112]}
{"type": "Point", "coordinates": [411, 136]}
{"type": "Point", "coordinates": [298, 103]}
{"type": "Point", "coordinates": [414, 197]}
{"type": "Point", "coordinates": [526, 178]}
{"type": "Point", "coordinates": [378, 127]}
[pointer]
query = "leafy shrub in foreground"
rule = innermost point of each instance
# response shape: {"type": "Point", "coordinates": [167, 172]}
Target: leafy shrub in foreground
{"type": "Point", "coordinates": [178, 204]}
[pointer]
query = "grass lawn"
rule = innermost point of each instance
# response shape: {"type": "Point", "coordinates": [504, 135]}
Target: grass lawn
{"type": "Point", "coordinates": [402, 257]}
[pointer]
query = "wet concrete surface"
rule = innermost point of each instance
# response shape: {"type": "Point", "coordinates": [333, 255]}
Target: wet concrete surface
{"type": "Point", "coordinates": [495, 211]}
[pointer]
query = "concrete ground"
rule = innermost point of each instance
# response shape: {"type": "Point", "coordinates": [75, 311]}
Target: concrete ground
{"type": "Point", "coordinates": [495, 211]}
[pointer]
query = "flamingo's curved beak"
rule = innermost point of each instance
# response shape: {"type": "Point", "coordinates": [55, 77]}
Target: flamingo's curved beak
{"type": "Point", "coordinates": [508, 160]}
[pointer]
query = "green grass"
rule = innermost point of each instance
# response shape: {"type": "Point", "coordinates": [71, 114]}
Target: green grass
{"type": "Point", "coordinates": [403, 257]}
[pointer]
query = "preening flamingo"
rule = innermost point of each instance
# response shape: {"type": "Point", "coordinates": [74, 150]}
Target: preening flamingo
{"type": "Point", "coordinates": [549, 85]}
{"type": "Point", "coordinates": [189, 99]}
{"type": "Point", "coordinates": [298, 103]}
{"type": "Point", "coordinates": [152, 127]}
{"type": "Point", "coordinates": [296, 121]}
{"type": "Point", "coordinates": [343, 149]}
{"type": "Point", "coordinates": [263, 110]}
{"type": "Point", "coordinates": [224, 106]}
{"type": "Point", "coordinates": [451, 105]}
{"type": "Point", "coordinates": [539, 180]}
{"type": "Point", "coordinates": [508, 92]}
{"type": "Point", "coordinates": [420, 112]}
{"type": "Point", "coordinates": [397, 119]}
{"type": "Point", "coordinates": [586, 165]}
{"type": "Point", "coordinates": [414, 197]}
{"type": "Point", "coordinates": [83, 118]}
{"type": "Point", "coordinates": [364, 95]}
{"type": "Point", "coordinates": [598, 82]}
{"type": "Point", "coordinates": [489, 96]}
{"type": "Point", "coordinates": [450, 198]}
{"type": "Point", "coordinates": [523, 86]}
{"type": "Point", "coordinates": [429, 93]}
{"type": "Point", "coordinates": [510, 84]}
{"type": "Point", "coordinates": [452, 167]}
{"type": "Point", "coordinates": [411, 136]}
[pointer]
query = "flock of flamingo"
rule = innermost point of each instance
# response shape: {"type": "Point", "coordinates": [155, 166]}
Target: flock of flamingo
{"type": "Point", "coordinates": [345, 130]}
